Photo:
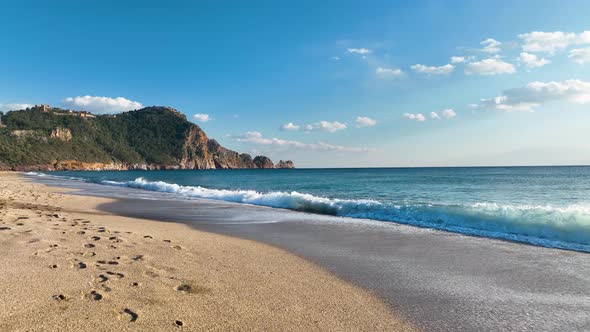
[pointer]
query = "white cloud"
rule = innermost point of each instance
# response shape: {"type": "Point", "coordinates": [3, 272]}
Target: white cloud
{"type": "Point", "coordinates": [290, 127]}
{"type": "Point", "coordinates": [255, 137]}
{"type": "Point", "coordinates": [101, 104]}
{"type": "Point", "coordinates": [327, 126]}
{"type": "Point", "coordinates": [551, 42]}
{"type": "Point", "coordinates": [389, 72]}
{"type": "Point", "coordinates": [202, 117]}
{"type": "Point", "coordinates": [433, 70]}
{"type": "Point", "coordinates": [361, 51]}
{"type": "Point", "coordinates": [490, 45]}
{"type": "Point", "coordinates": [363, 121]}
{"type": "Point", "coordinates": [532, 61]}
{"type": "Point", "coordinates": [490, 66]}
{"type": "Point", "coordinates": [335, 58]}
{"type": "Point", "coordinates": [458, 59]}
{"type": "Point", "coordinates": [580, 55]}
{"type": "Point", "coordinates": [418, 117]}
{"type": "Point", "coordinates": [534, 94]}
{"type": "Point", "coordinates": [14, 107]}
{"type": "Point", "coordinates": [448, 113]}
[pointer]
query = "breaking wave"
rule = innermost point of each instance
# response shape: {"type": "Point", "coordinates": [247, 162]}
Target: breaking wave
{"type": "Point", "coordinates": [560, 227]}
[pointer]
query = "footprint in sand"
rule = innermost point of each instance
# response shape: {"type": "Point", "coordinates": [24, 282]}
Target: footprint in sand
{"type": "Point", "coordinates": [108, 262]}
{"type": "Point", "coordinates": [59, 297]}
{"type": "Point", "coordinates": [95, 238]}
{"type": "Point", "coordinates": [80, 232]}
{"type": "Point", "coordinates": [53, 266]}
{"type": "Point", "coordinates": [177, 247]}
{"type": "Point", "coordinates": [115, 239]}
{"type": "Point", "coordinates": [119, 275]}
{"type": "Point", "coordinates": [81, 265]}
{"type": "Point", "coordinates": [178, 323]}
{"type": "Point", "coordinates": [147, 237]}
{"type": "Point", "coordinates": [130, 314]}
{"type": "Point", "coordinates": [5, 228]}
{"type": "Point", "coordinates": [89, 245]}
{"type": "Point", "coordinates": [102, 278]}
{"type": "Point", "coordinates": [185, 288]}
{"type": "Point", "coordinates": [95, 296]}
{"type": "Point", "coordinates": [137, 258]}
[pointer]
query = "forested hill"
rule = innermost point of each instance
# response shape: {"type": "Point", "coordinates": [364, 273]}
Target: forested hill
{"type": "Point", "coordinates": [46, 138]}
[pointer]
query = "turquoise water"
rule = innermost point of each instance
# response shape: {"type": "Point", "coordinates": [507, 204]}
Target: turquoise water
{"type": "Point", "coordinates": [548, 206]}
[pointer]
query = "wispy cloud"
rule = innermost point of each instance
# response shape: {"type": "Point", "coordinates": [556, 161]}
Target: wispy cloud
{"type": "Point", "coordinates": [363, 121]}
{"type": "Point", "coordinates": [535, 94]}
{"type": "Point", "coordinates": [327, 126]}
{"type": "Point", "coordinates": [416, 117]}
{"type": "Point", "coordinates": [580, 55]}
{"type": "Point", "coordinates": [389, 72]}
{"type": "Point", "coordinates": [532, 61]}
{"type": "Point", "coordinates": [361, 51]}
{"type": "Point", "coordinates": [490, 46]}
{"type": "Point", "coordinates": [458, 59]}
{"type": "Point", "coordinates": [490, 66]}
{"type": "Point", "coordinates": [433, 70]}
{"type": "Point", "coordinates": [101, 104]}
{"type": "Point", "coordinates": [551, 42]}
{"type": "Point", "coordinates": [254, 137]}
{"type": "Point", "coordinates": [202, 117]}
{"type": "Point", "coordinates": [290, 127]}
{"type": "Point", "coordinates": [446, 113]}
{"type": "Point", "coordinates": [13, 107]}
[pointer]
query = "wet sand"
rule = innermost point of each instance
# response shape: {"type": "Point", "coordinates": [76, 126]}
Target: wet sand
{"type": "Point", "coordinates": [440, 281]}
{"type": "Point", "coordinates": [67, 266]}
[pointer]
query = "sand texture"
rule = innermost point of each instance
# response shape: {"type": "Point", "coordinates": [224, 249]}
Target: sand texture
{"type": "Point", "coordinates": [65, 266]}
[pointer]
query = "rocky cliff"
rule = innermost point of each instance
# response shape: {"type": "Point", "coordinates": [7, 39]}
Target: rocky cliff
{"type": "Point", "coordinates": [153, 138]}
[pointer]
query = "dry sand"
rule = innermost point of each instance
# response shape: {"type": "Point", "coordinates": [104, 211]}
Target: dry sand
{"type": "Point", "coordinates": [65, 266]}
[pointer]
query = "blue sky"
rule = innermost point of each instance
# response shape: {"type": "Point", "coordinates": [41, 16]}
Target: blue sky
{"type": "Point", "coordinates": [354, 79]}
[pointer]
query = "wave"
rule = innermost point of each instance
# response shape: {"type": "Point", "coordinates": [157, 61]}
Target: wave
{"type": "Point", "coordinates": [559, 227]}
{"type": "Point", "coordinates": [565, 227]}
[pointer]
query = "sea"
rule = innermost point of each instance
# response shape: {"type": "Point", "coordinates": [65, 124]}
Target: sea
{"type": "Point", "coordinates": [543, 206]}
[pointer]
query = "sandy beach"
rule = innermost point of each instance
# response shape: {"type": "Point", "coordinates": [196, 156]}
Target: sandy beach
{"type": "Point", "coordinates": [70, 267]}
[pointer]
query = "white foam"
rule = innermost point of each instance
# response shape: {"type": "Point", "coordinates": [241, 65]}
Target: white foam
{"type": "Point", "coordinates": [566, 227]}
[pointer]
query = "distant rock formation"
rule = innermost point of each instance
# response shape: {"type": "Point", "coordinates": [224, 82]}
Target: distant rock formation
{"type": "Point", "coordinates": [285, 164]}
{"type": "Point", "coordinates": [263, 162]}
{"type": "Point", "coordinates": [151, 138]}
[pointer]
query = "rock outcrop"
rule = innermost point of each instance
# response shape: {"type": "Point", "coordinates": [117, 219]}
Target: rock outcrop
{"type": "Point", "coordinates": [60, 133]}
{"type": "Point", "coordinates": [227, 159]}
{"type": "Point", "coordinates": [263, 162]}
{"type": "Point", "coordinates": [285, 164]}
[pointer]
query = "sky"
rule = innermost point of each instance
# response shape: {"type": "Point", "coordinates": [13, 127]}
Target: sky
{"type": "Point", "coordinates": [325, 84]}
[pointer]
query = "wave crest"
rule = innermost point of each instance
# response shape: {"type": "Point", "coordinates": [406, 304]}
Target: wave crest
{"type": "Point", "coordinates": [560, 227]}
{"type": "Point", "coordinates": [566, 227]}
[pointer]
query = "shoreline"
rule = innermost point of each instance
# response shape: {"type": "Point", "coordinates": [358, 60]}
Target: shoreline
{"type": "Point", "coordinates": [438, 281]}
{"type": "Point", "coordinates": [74, 267]}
